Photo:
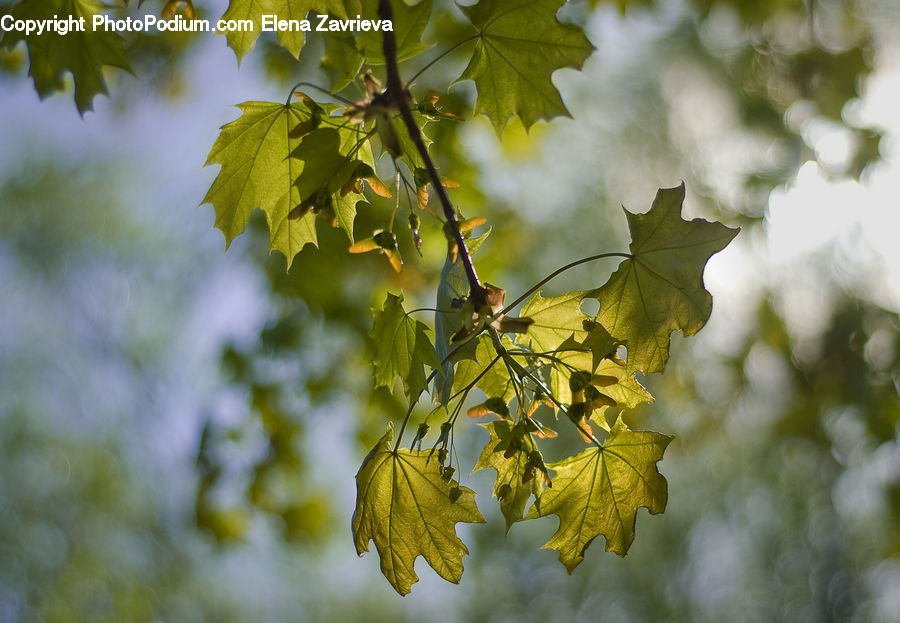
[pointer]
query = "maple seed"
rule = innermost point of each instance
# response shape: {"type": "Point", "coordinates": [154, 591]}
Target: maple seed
{"type": "Point", "coordinates": [427, 106]}
{"type": "Point", "coordinates": [383, 241]}
{"type": "Point", "coordinates": [528, 474]}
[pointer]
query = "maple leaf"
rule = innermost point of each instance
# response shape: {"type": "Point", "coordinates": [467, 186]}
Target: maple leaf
{"type": "Point", "coordinates": [660, 288]}
{"type": "Point", "coordinates": [341, 61]}
{"type": "Point", "coordinates": [83, 54]}
{"type": "Point", "coordinates": [508, 452]}
{"type": "Point", "coordinates": [326, 170]}
{"type": "Point", "coordinates": [406, 507]}
{"type": "Point", "coordinates": [402, 348]}
{"type": "Point", "coordinates": [257, 172]}
{"type": "Point", "coordinates": [599, 491]}
{"type": "Point", "coordinates": [621, 386]}
{"type": "Point", "coordinates": [518, 47]}
{"type": "Point", "coordinates": [555, 320]}
{"type": "Point", "coordinates": [242, 41]}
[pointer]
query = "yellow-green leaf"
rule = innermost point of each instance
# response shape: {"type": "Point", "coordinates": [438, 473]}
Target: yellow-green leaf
{"type": "Point", "coordinates": [555, 320]}
{"type": "Point", "coordinates": [406, 508]}
{"type": "Point", "coordinates": [518, 47]}
{"type": "Point", "coordinates": [660, 289]}
{"type": "Point", "coordinates": [257, 172]}
{"type": "Point", "coordinates": [599, 491]}
{"type": "Point", "coordinates": [402, 348]}
{"type": "Point", "coordinates": [626, 390]}
{"type": "Point", "coordinates": [83, 54]}
{"type": "Point", "coordinates": [330, 158]}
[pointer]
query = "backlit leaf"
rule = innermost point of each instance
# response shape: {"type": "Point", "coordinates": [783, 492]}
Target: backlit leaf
{"type": "Point", "coordinates": [660, 289]}
{"type": "Point", "coordinates": [404, 505]}
{"type": "Point", "coordinates": [409, 23]}
{"type": "Point", "coordinates": [599, 491]}
{"type": "Point", "coordinates": [557, 320]}
{"type": "Point", "coordinates": [402, 348]}
{"type": "Point", "coordinates": [329, 159]}
{"type": "Point", "coordinates": [242, 41]}
{"type": "Point", "coordinates": [507, 452]}
{"type": "Point", "coordinates": [554, 320]}
{"type": "Point", "coordinates": [495, 383]}
{"type": "Point", "coordinates": [518, 47]}
{"type": "Point", "coordinates": [257, 172]}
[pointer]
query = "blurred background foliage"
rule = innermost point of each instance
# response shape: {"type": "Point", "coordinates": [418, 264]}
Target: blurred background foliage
{"type": "Point", "coordinates": [180, 429]}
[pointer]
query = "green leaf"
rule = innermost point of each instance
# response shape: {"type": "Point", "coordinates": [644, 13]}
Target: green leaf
{"type": "Point", "coordinates": [84, 54]}
{"type": "Point", "coordinates": [341, 60]}
{"type": "Point", "coordinates": [326, 169]}
{"type": "Point", "coordinates": [555, 320]}
{"type": "Point", "coordinates": [599, 491]}
{"type": "Point", "coordinates": [402, 348]}
{"type": "Point", "coordinates": [292, 40]}
{"type": "Point", "coordinates": [660, 289]}
{"type": "Point", "coordinates": [409, 24]}
{"type": "Point", "coordinates": [599, 342]}
{"type": "Point", "coordinates": [626, 391]}
{"type": "Point", "coordinates": [257, 173]}
{"type": "Point", "coordinates": [406, 508]}
{"type": "Point", "coordinates": [509, 487]}
{"type": "Point", "coordinates": [518, 47]}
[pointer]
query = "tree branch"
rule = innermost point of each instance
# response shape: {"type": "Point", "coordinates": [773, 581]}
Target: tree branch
{"type": "Point", "coordinates": [396, 94]}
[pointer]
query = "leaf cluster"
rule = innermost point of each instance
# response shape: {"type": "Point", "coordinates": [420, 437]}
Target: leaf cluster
{"type": "Point", "coordinates": [322, 158]}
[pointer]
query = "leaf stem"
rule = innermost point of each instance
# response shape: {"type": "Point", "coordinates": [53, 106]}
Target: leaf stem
{"type": "Point", "coordinates": [555, 273]}
{"type": "Point", "coordinates": [397, 94]}
{"type": "Point", "coordinates": [440, 56]}
{"type": "Point", "coordinates": [317, 88]}
{"type": "Point", "coordinates": [430, 309]}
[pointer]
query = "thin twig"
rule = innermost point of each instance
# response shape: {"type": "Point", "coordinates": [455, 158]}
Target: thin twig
{"type": "Point", "coordinates": [442, 55]}
{"type": "Point", "coordinates": [556, 272]}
